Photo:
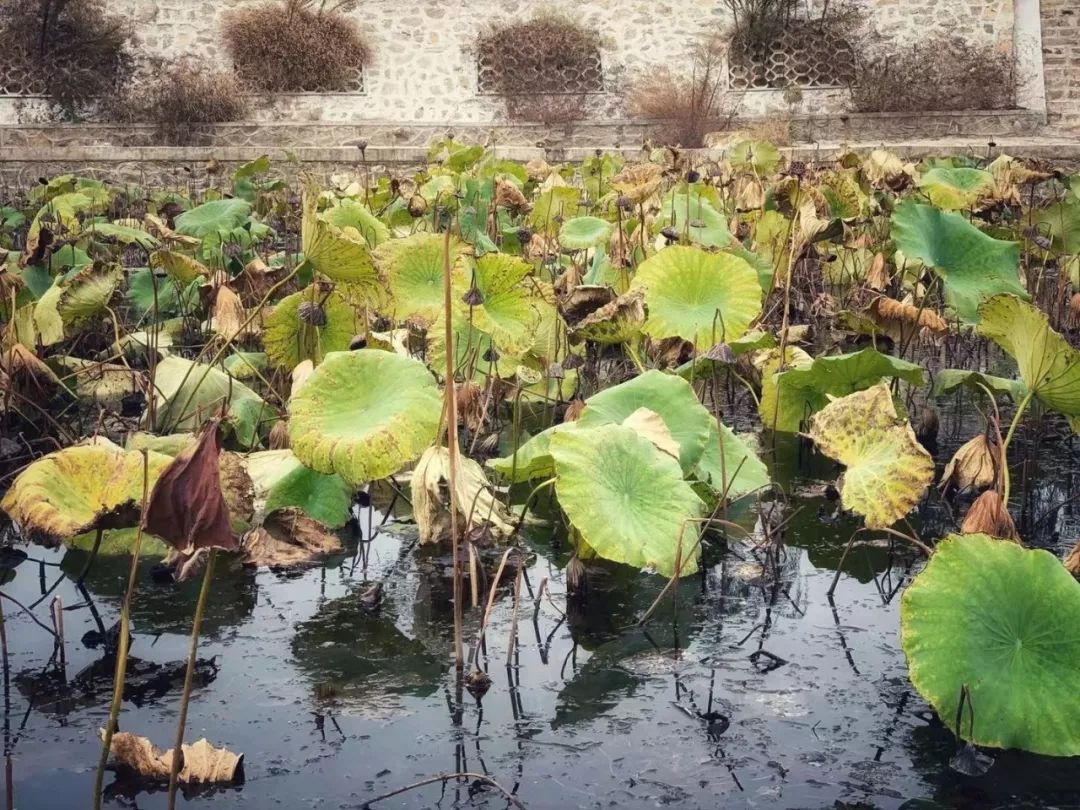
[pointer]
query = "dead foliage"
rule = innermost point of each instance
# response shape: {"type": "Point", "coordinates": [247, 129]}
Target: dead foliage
{"type": "Point", "coordinates": [988, 515]}
{"type": "Point", "coordinates": [203, 763]}
{"type": "Point", "coordinates": [296, 46]}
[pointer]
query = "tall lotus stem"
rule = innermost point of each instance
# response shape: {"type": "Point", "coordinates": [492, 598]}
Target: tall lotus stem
{"type": "Point", "coordinates": [1021, 408]}
{"type": "Point", "coordinates": [122, 646]}
{"type": "Point", "coordinates": [196, 624]}
{"type": "Point", "coordinates": [452, 447]}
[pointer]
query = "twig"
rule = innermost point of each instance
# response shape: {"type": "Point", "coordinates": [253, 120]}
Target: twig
{"type": "Point", "coordinates": [446, 777]}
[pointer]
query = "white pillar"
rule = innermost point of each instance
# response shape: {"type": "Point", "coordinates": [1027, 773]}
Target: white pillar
{"type": "Point", "coordinates": [1027, 51]}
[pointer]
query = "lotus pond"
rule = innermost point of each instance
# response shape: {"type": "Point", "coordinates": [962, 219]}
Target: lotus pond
{"type": "Point", "coordinates": [759, 490]}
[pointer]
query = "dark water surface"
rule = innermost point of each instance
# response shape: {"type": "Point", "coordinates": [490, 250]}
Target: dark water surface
{"type": "Point", "coordinates": [756, 692]}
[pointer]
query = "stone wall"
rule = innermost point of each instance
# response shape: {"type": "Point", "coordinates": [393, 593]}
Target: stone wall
{"type": "Point", "coordinates": [1061, 61]}
{"type": "Point", "coordinates": [424, 69]}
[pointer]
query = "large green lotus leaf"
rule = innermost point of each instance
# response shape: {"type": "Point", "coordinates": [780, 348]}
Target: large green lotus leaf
{"type": "Point", "coordinates": [949, 379]}
{"type": "Point", "coordinates": [189, 394]}
{"type": "Point", "coordinates": [80, 488]}
{"type": "Point", "coordinates": [627, 498]}
{"type": "Point", "coordinates": [887, 469]}
{"type": "Point", "coordinates": [332, 252]}
{"type": "Point", "coordinates": [281, 481]}
{"type": "Point", "coordinates": [1062, 222]}
{"type": "Point", "coordinates": [705, 298]}
{"type": "Point", "coordinates": [670, 396]}
{"type": "Point", "coordinates": [581, 233]}
{"type": "Point", "coordinates": [792, 395]}
{"type": "Point", "coordinates": [364, 415]}
{"type": "Point", "coordinates": [954, 189]}
{"type": "Point", "coordinates": [123, 233]}
{"type": "Point", "coordinates": [288, 340]}
{"type": "Point", "coordinates": [352, 214]}
{"type": "Point", "coordinates": [1004, 621]}
{"type": "Point", "coordinates": [246, 365]}
{"type": "Point", "coordinates": [553, 206]}
{"type": "Point", "coordinates": [213, 217]}
{"type": "Point", "coordinates": [120, 542]}
{"type": "Point", "coordinates": [61, 213]}
{"type": "Point", "coordinates": [170, 298]}
{"type": "Point", "coordinates": [533, 457]}
{"type": "Point", "coordinates": [47, 320]}
{"type": "Point", "coordinates": [69, 304]}
{"type": "Point", "coordinates": [692, 215]}
{"type": "Point", "coordinates": [413, 269]}
{"type": "Point", "coordinates": [973, 266]}
{"type": "Point", "coordinates": [509, 311]}
{"type": "Point", "coordinates": [1048, 365]}
{"type": "Point", "coordinates": [729, 464]}
{"type": "Point", "coordinates": [760, 157]}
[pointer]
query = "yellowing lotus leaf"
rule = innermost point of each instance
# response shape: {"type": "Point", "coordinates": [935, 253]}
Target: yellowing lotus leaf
{"type": "Point", "coordinates": [474, 497]}
{"type": "Point", "coordinates": [887, 469]}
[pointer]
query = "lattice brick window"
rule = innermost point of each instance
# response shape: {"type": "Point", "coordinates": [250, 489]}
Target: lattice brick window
{"type": "Point", "coordinates": [19, 78]}
{"type": "Point", "coordinates": [355, 85]}
{"type": "Point", "coordinates": [533, 70]}
{"type": "Point", "coordinates": [806, 57]}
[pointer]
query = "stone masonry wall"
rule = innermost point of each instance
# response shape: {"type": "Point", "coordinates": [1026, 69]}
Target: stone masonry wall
{"type": "Point", "coordinates": [424, 71]}
{"type": "Point", "coordinates": [1061, 61]}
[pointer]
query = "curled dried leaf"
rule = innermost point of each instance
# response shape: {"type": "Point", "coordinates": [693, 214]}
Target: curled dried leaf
{"type": "Point", "coordinates": [1072, 561]}
{"type": "Point", "coordinates": [900, 320]}
{"type": "Point", "coordinates": [988, 515]}
{"type": "Point", "coordinates": [288, 538]}
{"type": "Point", "coordinates": [203, 763]}
{"type": "Point", "coordinates": [973, 466]}
{"type": "Point", "coordinates": [475, 498]}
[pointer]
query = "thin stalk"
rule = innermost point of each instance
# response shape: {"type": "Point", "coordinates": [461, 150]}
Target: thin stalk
{"type": "Point", "coordinates": [452, 448]}
{"type": "Point", "coordinates": [1005, 446]}
{"type": "Point", "coordinates": [196, 624]}
{"type": "Point", "coordinates": [122, 648]}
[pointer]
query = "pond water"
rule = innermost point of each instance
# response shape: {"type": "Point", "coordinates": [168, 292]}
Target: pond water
{"type": "Point", "coordinates": [756, 690]}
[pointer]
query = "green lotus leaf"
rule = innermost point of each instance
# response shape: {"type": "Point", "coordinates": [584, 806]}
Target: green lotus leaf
{"type": "Point", "coordinates": [352, 214]}
{"type": "Point", "coordinates": [949, 379]}
{"type": "Point", "coordinates": [288, 339]}
{"type": "Point", "coordinates": [1061, 222]}
{"type": "Point", "coordinates": [364, 414]}
{"type": "Point", "coordinates": [973, 266]}
{"type": "Point", "coordinates": [213, 217]}
{"type": "Point", "coordinates": [331, 252]}
{"type": "Point", "coordinates": [71, 303]}
{"type": "Point", "coordinates": [694, 217]}
{"type": "Point", "coordinates": [61, 213]}
{"type": "Point", "coordinates": [703, 366]}
{"type": "Point", "coordinates": [758, 156]}
{"type": "Point", "coordinates": [626, 498]}
{"type": "Point", "coordinates": [189, 394]}
{"type": "Point", "coordinates": [120, 543]}
{"type": "Point", "coordinates": [954, 189]}
{"type": "Point", "coordinates": [246, 365]}
{"type": "Point", "coordinates": [845, 196]}
{"type": "Point", "coordinates": [507, 309]}
{"type": "Point", "coordinates": [413, 269]}
{"type": "Point", "coordinates": [1003, 621]}
{"type": "Point", "coordinates": [1049, 366]}
{"type": "Point", "coordinates": [179, 267]}
{"type": "Point", "coordinates": [168, 299]}
{"type": "Point", "coordinates": [887, 469]}
{"type": "Point", "coordinates": [170, 445]}
{"type": "Point", "coordinates": [665, 394]}
{"type": "Point", "coordinates": [124, 234]}
{"type": "Point", "coordinates": [103, 383]}
{"type": "Point", "coordinates": [616, 322]}
{"type": "Point", "coordinates": [281, 481]}
{"type": "Point", "coordinates": [788, 397]}
{"type": "Point", "coordinates": [533, 458]}
{"type": "Point", "coordinates": [553, 206]}
{"type": "Point", "coordinates": [729, 464]}
{"type": "Point", "coordinates": [705, 298]}
{"type": "Point", "coordinates": [581, 233]}
{"type": "Point", "coordinates": [81, 488]}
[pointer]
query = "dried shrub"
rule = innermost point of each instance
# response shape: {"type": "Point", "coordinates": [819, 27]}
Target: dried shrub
{"type": "Point", "coordinates": [544, 67]}
{"type": "Point", "coordinates": [296, 46]}
{"type": "Point", "coordinates": [942, 73]}
{"type": "Point", "coordinates": [690, 104]}
{"type": "Point", "coordinates": [73, 51]}
{"type": "Point", "coordinates": [180, 94]}
{"type": "Point", "coordinates": [757, 23]}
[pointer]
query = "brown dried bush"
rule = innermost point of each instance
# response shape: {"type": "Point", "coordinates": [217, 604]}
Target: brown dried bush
{"type": "Point", "coordinates": [942, 73]}
{"type": "Point", "coordinates": [689, 104]}
{"type": "Point", "coordinates": [544, 67]}
{"type": "Point", "coordinates": [177, 95]}
{"type": "Point", "coordinates": [296, 46]}
{"type": "Point", "coordinates": [73, 51]}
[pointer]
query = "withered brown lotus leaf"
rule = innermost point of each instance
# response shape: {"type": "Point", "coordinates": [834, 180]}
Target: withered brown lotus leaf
{"type": "Point", "coordinates": [203, 763]}
{"type": "Point", "coordinates": [988, 515]}
{"type": "Point", "coordinates": [973, 466]}
{"type": "Point", "coordinates": [288, 538]}
{"type": "Point", "coordinates": [187, 508]}
{"type": "Point", "coordinates": [1072, 561]}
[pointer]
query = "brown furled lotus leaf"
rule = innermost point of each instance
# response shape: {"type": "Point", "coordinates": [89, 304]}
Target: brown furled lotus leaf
{"type": "Point", "coordinates": [1072, 561]}
{"type": "Point", "coordinates": [509, 196]}
{"type": "Point", "coordinates": [288, 538]}
{"type": "Point", "coordinates": [541, 246]}
{"type": "Point", "coordinates": [187, 508]}
{"type": "Point", "coordinates": [672, 352]}
{"type": "Point", "coordinates": [616, 322]}
{"type": "Point", "coordinates": [279, 435]}
{"type": "Point", "coordinates": [877, 277]}
{"type": "Point", "coordinates": [470, 402]}
{"type": "Point", "coordinates": [573, 410]}
{"type": "Point", "coordinates": [928, 425]}
{"type": "Point", "coordinates": [974, 466]}
{"type": "Point", "coordinates": [583, 301]}
{"type": "Point", "coordinates": [900, 321]}
{"type": "Point", "coordinates": [157, 227]}
{"type": "Point", "coordinates": [203, 764]}
{"type": "Point", "coordinates": [238, 490]}
{"type": "Point", "coordinates": [229, 317]}
{"type": "Point", "coordinates": [256, 279]}
{"type": "Point", "coordinates": [1074, 311]}
{"type": "Point", "coordinates": [538, 169]}
{"type": "Point", "coordinates": [988, 515]}
{"type": "Point", "coordinates": [27, 375]}
{"type": "Point", "coordinates": [638, 181]}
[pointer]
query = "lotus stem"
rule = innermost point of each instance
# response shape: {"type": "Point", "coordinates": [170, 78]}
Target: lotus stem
{"type": "Point", "coordinates": [9, 786]}
{"type": "Point", "coordinates": [1005, 446]}
{"type": "Point", "coordinates": [185, 698]}
{"type": "Point", "coordinates": [452, 448]}
{"type": "Point", "coordinates": [122, 646]}
{"type": "Point", "coordinates": [514, 622]}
